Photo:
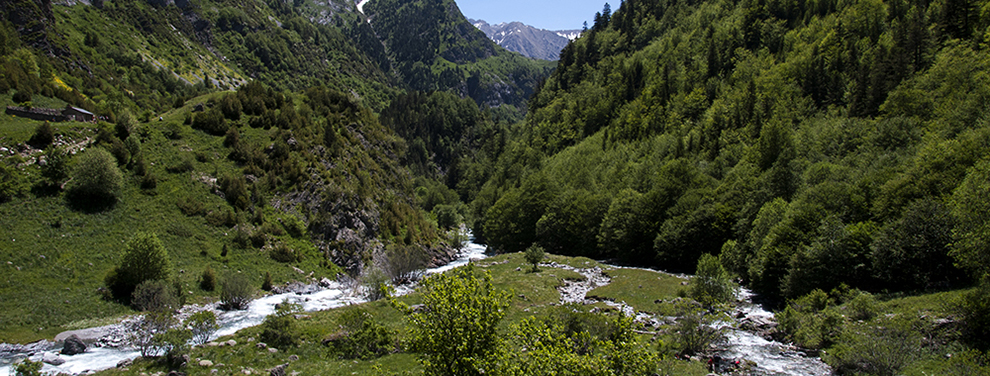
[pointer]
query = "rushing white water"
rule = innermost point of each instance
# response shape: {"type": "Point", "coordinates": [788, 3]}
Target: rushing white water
{"type": "Point", "coordinates": [770, 357]}
{"type": "Point", "coordinates": [336, 295]}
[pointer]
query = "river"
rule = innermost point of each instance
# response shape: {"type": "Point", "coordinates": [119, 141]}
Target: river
{"type": "Point", "coordinates": [770, 358]}
{"type": "Point", "coordinates": [333, 296]}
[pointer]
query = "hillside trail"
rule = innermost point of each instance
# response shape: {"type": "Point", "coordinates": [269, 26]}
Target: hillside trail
{"type": "Point", "coordinates": [745, 350]}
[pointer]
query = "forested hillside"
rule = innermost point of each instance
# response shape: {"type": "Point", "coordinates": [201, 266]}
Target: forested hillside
{"type": "Point", "coordinates": [807, 144]}
{"type": "Point", "coordinates": [436, 48]}
{"type": "Point", "coordinates": [242, 136]}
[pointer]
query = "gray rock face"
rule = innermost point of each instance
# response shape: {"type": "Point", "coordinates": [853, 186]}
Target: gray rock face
{"type": "Point", "coordinates": [73, 345]}
{"type": "Point", "coordinates": [527, 40]}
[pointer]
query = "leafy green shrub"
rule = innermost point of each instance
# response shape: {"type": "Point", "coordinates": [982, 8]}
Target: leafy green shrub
{"type": "Point", "coordinates": [174, 343]}
{"type": "Point", "coordinates": [96, 180]}
{"type": "Point", "coordinates": [281, 252]}
{"type": "Point", "coordinates": [223, 217]}
{"type": "Point", "coordinates": [711, 284]}
{"type": "Point", "coordinates": [145, 259]}
{"type": "Point", "coordinates": [208, 281]}
{"type": "Point", "coordinates": [23, 96]}
{"type": "Point", "coordinates": [28, 368]}
{"type": "Point", "coordinates": [11, 182]}
{"type": "Point", "coordinates": [155, 295]}
{"type": "Point", "coordinates": [149, 182]}
{"type": "Point", "coordinates": [235, 292]}
{"type": "Point", "coordinates": [266, 284]}
{"type": "Point", "coordinates": [202, 324]}
{"type": "Point", "coordinates": [468, 309]}
{"type": "Point", "coordinates": [175, 131]}
{"type": "Point", "coordinates": [56, 167]}
{"type": "Point", "coordinates": [811, 322]}
{"type": "Point", "coordinates": [211, 121]}
{"type": "Point", "coordinates": [863, 307]}
{"type": "Point", "coordinates": [43, 135]}
{"type": "Point", "coordinates": [361, 337]}
{"type": "Point", "coordinates": [235, 191]}
{"type": "Point", "coordinates": [534, 254]}
{"type": "Point", "coordinates": [293, 225]}
{"type": "Point", "coordinates": [279, 329]}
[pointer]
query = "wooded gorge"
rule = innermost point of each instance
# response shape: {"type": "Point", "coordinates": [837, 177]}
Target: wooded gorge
{"type": "Point", "coordinates": [808, 144]}
{"type": "Point", "coordinates": [831, 155]}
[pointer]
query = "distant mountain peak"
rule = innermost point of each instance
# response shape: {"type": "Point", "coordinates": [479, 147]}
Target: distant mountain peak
{"type": "Point", "coordinates": [527, 40]}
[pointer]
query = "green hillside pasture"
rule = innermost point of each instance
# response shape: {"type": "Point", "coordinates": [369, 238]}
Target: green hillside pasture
{"type": "Point", "coordinates": [55, 258]}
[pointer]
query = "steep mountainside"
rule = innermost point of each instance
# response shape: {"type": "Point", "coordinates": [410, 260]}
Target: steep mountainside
{"type": "Point", "coordinates": [245, 138]}
{"type": "Point", "coordinates": [809, 146]}
{"type": "Point", "coordinates": [436, 48]}
{"type": "Point", "coordinates": [527, 40]}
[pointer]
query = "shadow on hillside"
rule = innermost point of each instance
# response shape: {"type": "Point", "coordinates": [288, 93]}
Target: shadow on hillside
{"type": "Point", "coordinates": [89, 204]}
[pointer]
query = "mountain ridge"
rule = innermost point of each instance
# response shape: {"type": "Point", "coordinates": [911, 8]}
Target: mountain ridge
{"type": "Point", "coordinates": [528, 40]}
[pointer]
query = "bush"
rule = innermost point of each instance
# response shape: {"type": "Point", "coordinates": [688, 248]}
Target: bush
{"type": "Point", "coordinates": [211, 121]}
{"type": "Point", "coordinates": [96, 180]}
{"type": "Point", "coordinates": [155, 295]}
{"type": "Point", "coordinates": [281, 252]}
{"type": "Point", "coordinates": [174, 343]}
{"type": "Point", "coordinates": [221, 217]}
{"type": "Point", "coordinates": [11, 182]}
{"type": "Point", "coordinates": [811, 321]}
{"type": "Point", "coordinates": [361, 337]}
{"type": "Point", "coordinates": [147, 335]}
{"type": "Point", "coordinates": [694, 330]}
{"type": "Point", "coordinates": [405, 263]}
{"type": "Point", "coordinates": [279, 329]}
{"type": "Point", "coordinates": [534, 254]}
{"type": "Point", "coordinates": [208, 281]}
{"type": "Point", "coordinates": [202, 324]}
{"type": "Point", "coordinates": [28, 368]}
{"type": "Point", "coordinates": [23, 96]}
{"type": "Point", "coordinates": [175, 131]}
{"type": "Point", "coordinates": [375, 283]}
{"type": "Point", "coordinates": [266, 285]}
{"type": "Point", "coordinates": [145, 259]}
{"type": "Point", "coordinates": [468, 310]}
{"type": "Point", "coordinates": [43, 135]}
{"type": "Point", "coordinates": [711, 284]}
{"type": "Point", "coordinates": [235, 293]}
{"type": "Point", "coordinates": [235, 191]}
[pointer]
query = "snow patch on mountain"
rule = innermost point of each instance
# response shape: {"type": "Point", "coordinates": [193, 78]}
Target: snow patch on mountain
{"type": "Point", "coordinates": [569, 34]}
{"type": "Point", "coordinates": [360, 5]}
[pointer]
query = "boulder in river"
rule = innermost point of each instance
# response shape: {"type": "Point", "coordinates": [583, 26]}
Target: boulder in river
{"type": "Point", "coordinates": [52, 358]}
{"type": "Point", "coordinates": [73, 345]}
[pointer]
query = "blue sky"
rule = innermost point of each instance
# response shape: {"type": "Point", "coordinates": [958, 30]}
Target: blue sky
{"type": "Point", "coordinates": [544, 14]}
